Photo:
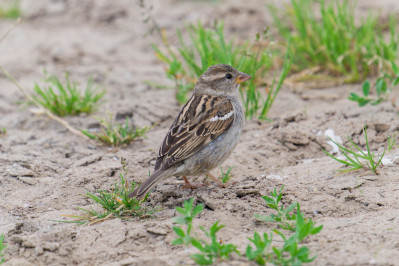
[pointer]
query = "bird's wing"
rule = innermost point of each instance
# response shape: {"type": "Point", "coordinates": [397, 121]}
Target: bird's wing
{"type": "Point", "coordinates": [201, 120]}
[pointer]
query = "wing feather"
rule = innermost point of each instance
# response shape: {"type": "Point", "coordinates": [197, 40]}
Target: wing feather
{"type": "Point", "coordinates": [202, 119]}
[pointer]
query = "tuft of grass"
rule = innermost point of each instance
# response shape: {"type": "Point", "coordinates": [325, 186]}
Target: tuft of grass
{"type": "Point", "coordinates": [116, 134]}
{"type": "Point", "coordinates": [115, 204]}
{"type": "Point", "coordinates": [65, 99]}
{"type": "Point", "coordinates": [383, 87]}
{"type": "Point", "coordinates": [254, 104]}
{"type": "Point", "coordinates": [391, 142]}
{"type": "Point", "coordinates": [207, 47]}
{"type": "Point", "coordinates": [283, 217]}
{"type": "Point", "coordinates": [354, 159]}
{"type": "Point", "coordinates": [326, 36]}
{"type": "Point", "coordinates": [2, 248]}
{"type": "Point", "coordinates": [226, 177]}
{"type": "Point", "coordinates": [3, 131]}
{"type": "Point", "coordinates": [11, 12]}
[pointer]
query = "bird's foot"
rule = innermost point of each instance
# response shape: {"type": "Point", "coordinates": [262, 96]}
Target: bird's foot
{"type": "Point", "coordinates": [220, 183]}
{"type": "Point", "coordinates": [187, 184]}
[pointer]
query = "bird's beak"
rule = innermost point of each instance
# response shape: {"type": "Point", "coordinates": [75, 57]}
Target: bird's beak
{"type": "Point", "coordinates": [242, 77]}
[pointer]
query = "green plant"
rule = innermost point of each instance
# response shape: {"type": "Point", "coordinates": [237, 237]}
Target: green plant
{"type": "Point", "coordinates": [210, 251]}
{"type": "Point", "coordinates": [297, 255]}
{"type": "Point", "coordinates": [209, 46]}
{"type": "Point", "coordinates": [391, 142]}
{"type": "Point", "coordinates": [2, 248]}
{"type": "Point", "coordinates": [189, 212]}
{"type": "Point", "coordinates": [259, 254]}
{"type": "Point", "coordinates": [353, 157]}
{"type": "Point", "coordinates": [328, 38]}
{"type": "Point", "coordinates": [226, 177]}
{"type": "Point", "coordinates": [115, 204]}
{"type": "Point", "coordinates": [383, 87]}
{"type": "Point", "coordinates": [66, 99]}
{"type": "Point", "coordinates": [254, 104]}
{"type": "Point", "coordinates": [115, 134]}
{"type": "Point", "coordinates": [262, 250]}
{"type": "Point", "coordinates": [283, 217]}
{"type": "Point", "coordinates": [3, 130]}
{"type": "Point", "coordinates": [11, 12]}
{"type": "Point", "coordinates": [291, 253]}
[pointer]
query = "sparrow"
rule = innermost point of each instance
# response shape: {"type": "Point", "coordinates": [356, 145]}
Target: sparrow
{"type": "Point", "coordinates": [205, 132]}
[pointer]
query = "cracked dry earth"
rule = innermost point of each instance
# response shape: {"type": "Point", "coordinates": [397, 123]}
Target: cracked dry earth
{"type": "Point", "coordinates": [45, 170]}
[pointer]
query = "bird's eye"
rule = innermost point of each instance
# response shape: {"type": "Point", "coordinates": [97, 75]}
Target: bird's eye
{"type": "Point", "coordinates": [228, 76]}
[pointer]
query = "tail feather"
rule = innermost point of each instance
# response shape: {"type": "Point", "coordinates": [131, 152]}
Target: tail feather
{"type": "Point", "coordinates": [151, 182]}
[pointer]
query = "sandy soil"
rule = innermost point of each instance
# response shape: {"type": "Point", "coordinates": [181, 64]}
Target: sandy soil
{"type": "Point", "coordinates": [45, 170]}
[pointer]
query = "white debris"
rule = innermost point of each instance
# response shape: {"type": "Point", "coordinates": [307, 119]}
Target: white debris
{"type": "Point", "coordinates": [276, 177]}
{"type": "Point", "coordinates": [329, 133]}
{"type": "Point", "coordinates": [386, 161]}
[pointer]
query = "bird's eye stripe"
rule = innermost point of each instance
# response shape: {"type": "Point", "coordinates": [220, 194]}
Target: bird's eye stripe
{"type": "Point", "coordinates": [214, 77]}
{"type": "Point", "coordinates": [226, 116]}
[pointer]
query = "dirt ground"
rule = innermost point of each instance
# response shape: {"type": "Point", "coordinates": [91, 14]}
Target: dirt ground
{"type": "Point", "coordinates": [45, 170]}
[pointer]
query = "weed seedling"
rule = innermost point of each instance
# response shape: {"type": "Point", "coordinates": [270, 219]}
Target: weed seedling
{"type": "Point", "coordinates": [2, 248]}
{"type": "Point", "coordinates": [260, 254]}
{"type": "Point", "coordinates": [290, 253]}
{"type": "Point", "coordinates": [296, 254]}
{"type": "Point", "coordinates": [3, 131]}
{"type": "Point", "coordinates": [115, 204]}
{"type": "Point", "coordinates": [226, 177]}
{"type": "Point", "coordinates": [261, 250]}
{"type": "Point", "coordinates": [354, 158]}
{"type": "Point", "coordinates": [189, 212]}
{"type": "Point", "coordinates": [115, 134]}
{"type": "Point", "coordinates": [209, 251]}
{"type": "Point", "coordinates": [284, 217]}
{"type": "Point", "coordinates": [66, 99]}
{"type": "Point", "coordinates": [383, 87]}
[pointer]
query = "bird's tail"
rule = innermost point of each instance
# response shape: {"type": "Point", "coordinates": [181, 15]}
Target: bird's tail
{"type": "Point", "coordinates": [151, 182]}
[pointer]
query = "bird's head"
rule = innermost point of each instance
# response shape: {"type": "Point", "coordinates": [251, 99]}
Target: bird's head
{"type": "Point", "coordinates": [220, 79]}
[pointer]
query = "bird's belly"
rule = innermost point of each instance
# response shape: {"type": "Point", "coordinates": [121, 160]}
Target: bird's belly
{"type": "Point", "coordinates": [213, 155]}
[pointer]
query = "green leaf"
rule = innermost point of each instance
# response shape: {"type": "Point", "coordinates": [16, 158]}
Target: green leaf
{"type": "Point", "coordinates": [264, 218]}
{"type": "Point", "coordinates": [381, 86]}
{"type": "Point", "coordinates": [201, 259]}
{"type": "Point", "coordinates": [366, 88]}
{"type": "Point", "coordinates": [197, 244]}
{"type": "Point", "coordinates": [180, 220]}
{"type": "Point", "coordinates": [316, 230]}
{"type": "Point", "coordinates": [199, 208]}
{"type": "Point", "coordinates": [354, 97]}
{"type": "Point", "coordinates": [290, 208]}
{"type": "Point", "coordinates": [363, 102]}
{"type": "Point", "coordinates": [179, 231]}
{"type": "Point", "coordinates": [178, 241]}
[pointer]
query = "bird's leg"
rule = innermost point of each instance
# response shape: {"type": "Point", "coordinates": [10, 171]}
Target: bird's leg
{"type": "Point", "coordinates": [187, 184]}
{"type": "Point", "coordinates": [220, 184]}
